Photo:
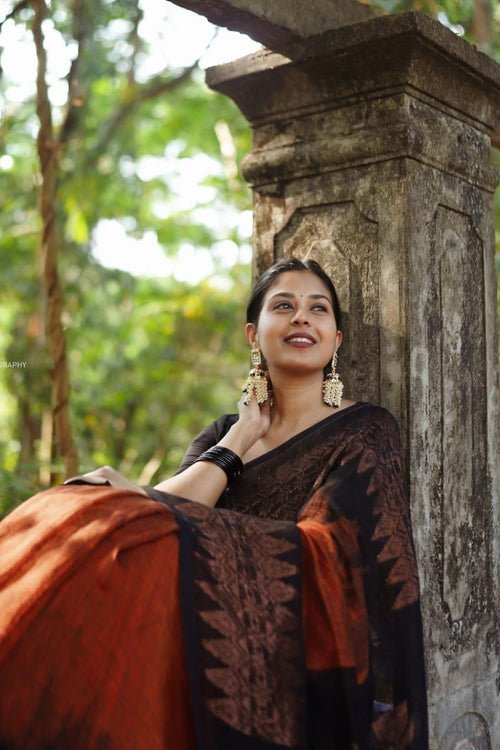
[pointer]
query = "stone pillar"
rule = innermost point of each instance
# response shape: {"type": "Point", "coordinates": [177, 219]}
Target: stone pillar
{"type": "Point", "coordinates": [371, 153]}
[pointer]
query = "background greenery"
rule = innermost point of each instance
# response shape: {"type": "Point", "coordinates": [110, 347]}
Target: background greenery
{"type": "Point", "coordinates": [151, 361]}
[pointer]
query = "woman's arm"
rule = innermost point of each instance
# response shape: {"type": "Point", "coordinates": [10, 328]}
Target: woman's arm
{"type": "Point", "coordinates": [204, 481]}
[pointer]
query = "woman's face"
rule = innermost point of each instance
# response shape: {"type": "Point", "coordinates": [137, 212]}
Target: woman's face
{"type": "Point", "coordinates": [296, 330]}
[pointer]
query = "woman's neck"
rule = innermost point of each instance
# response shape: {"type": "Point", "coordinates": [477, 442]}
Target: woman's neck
{"type": "Point", "coordinates": [297, 401]}
{"type": "Point", "coordinates": [297, 405]}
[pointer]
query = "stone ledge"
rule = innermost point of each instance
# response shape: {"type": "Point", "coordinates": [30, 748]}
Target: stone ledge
{"type": "Point", "coordinates": [357, 135]}
{"type": "Point", "coordinates": [384, 51]}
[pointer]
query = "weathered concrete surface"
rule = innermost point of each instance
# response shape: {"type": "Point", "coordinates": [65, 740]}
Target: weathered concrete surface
{"type": "Point", "coordinates": [371, 153]}
{"type": "Point", "coordinates": [276, 22]}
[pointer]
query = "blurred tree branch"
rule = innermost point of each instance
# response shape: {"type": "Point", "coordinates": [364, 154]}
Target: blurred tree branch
{"type": "Point", "coordinates": [48, 153]}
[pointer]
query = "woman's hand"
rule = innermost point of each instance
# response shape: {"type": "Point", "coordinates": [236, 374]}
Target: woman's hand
{"type": "Point", "coordinates": [204, 481]}
{"type": "Point", "coordinates": [106, 475]}
{"type": "Point", "coordinates": [254, 421]}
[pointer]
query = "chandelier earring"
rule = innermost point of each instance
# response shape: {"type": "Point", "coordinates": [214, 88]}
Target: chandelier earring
{"type": "Point", "coordinates": [256, 381]}
{"type": "Point", "coordinates": [333, 387]}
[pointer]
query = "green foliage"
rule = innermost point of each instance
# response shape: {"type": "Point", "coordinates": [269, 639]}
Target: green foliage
{"type": "Point", "coordinates": [152, 361]}
{"type": "Point", "coordinates": [172, 358]}
{"type": "Point", "coordinates": [16, 487]}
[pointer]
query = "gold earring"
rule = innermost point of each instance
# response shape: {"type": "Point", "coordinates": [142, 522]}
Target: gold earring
{"type": "Point", "coordinates": [256, 381]}
{"type": "Point", "coordinates": [333, 387]}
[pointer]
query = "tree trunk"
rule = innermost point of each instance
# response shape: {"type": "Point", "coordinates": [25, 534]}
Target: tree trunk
{"type": "Point", "coordinates": [48, 152]}
{"type": "Point", "coordinates": [482, 23]}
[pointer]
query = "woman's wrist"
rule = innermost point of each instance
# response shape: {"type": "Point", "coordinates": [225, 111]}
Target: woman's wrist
{"type": "Point", "coordinates": [226, 459]}
{"type": "Point", "coordinates": [237, 439]}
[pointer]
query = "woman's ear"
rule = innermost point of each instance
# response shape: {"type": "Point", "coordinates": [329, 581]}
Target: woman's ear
{"type": "Point", "coordinates": [339, 339]}
{"type": "Point", "coordinates": [251, 334]}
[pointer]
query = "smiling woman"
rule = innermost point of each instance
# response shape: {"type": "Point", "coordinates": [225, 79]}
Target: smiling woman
{"type": "Point", "coordinates": [268, 599]}
{"type": "Point", "coordinates": [299, 323]}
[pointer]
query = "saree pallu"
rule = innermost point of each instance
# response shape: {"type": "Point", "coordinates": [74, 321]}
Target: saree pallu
{"type": "Point", "coordinates": [131, 623]}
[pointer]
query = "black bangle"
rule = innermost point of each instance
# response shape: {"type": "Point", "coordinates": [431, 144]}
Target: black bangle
{"type": "Point", "coordinates": [226, 459]}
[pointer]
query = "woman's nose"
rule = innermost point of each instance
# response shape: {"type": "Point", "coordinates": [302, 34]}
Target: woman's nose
{"type": "Point", "coordinates": [300, 318]}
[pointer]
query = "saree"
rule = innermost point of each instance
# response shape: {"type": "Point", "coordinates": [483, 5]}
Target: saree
{"type": "Point", "coordinates": [288, 616]}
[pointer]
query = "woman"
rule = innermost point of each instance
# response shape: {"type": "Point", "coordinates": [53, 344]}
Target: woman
{"type": "Point", "coordinates": [285, 617]}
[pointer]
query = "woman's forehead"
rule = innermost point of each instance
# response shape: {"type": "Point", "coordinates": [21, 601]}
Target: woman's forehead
{"type": "Point", "coordinates": [299, 283]}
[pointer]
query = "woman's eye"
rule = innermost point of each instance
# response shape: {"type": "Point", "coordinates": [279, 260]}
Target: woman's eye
{"type": "Point", "coordinates": [321, 308]}
{"type": "Point", "coordinates": [283, 306]}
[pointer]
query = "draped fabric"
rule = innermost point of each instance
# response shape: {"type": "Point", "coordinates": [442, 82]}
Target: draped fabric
{"type": "Point", "coordinates": [134, 622]}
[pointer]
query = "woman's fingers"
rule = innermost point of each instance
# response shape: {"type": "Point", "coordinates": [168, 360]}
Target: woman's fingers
{"type": "Point", "coordinates": [254, 417]}
{"type": "Point", "coordinates": [83, 479]}
{"type": "Point", "coordinates": [102, 475]}
{"type": "Point", "coordinates": [86, 479]}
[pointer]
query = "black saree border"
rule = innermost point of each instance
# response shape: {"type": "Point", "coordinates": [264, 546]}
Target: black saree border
{"type": "Point", "coordinates": [283, 548]}
{"type": "Point", "coordinates": [186, 600]}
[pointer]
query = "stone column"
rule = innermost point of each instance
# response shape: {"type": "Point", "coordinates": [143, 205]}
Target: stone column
{"type": "Point", "coordinates": [371, 153]}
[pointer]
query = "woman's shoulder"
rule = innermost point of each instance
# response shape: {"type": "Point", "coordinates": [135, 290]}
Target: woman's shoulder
{"type": "Point", "coordinates": [209, 436]}
{"type": "Point", "coordinates": [218, 427]}
{"type": "Point", "coordinates": [366, 414]}
{"type": "Point", "coordinates": [370, 430]}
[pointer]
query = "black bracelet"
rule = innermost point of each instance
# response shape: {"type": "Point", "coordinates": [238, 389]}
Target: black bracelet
{"type": "Point", "coordinates": [225, 459]}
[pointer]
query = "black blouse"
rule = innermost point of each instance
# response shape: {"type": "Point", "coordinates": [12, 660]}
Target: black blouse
{"type": "Point", "coordinates": [277, 484]}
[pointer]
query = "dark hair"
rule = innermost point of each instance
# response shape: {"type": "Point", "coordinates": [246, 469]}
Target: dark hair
{"type": "Point", "coordinates": [268, 278]}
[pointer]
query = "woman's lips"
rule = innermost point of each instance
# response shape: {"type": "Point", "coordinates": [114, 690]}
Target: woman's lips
{"type": "Point", "coordinates": [300, 339]}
